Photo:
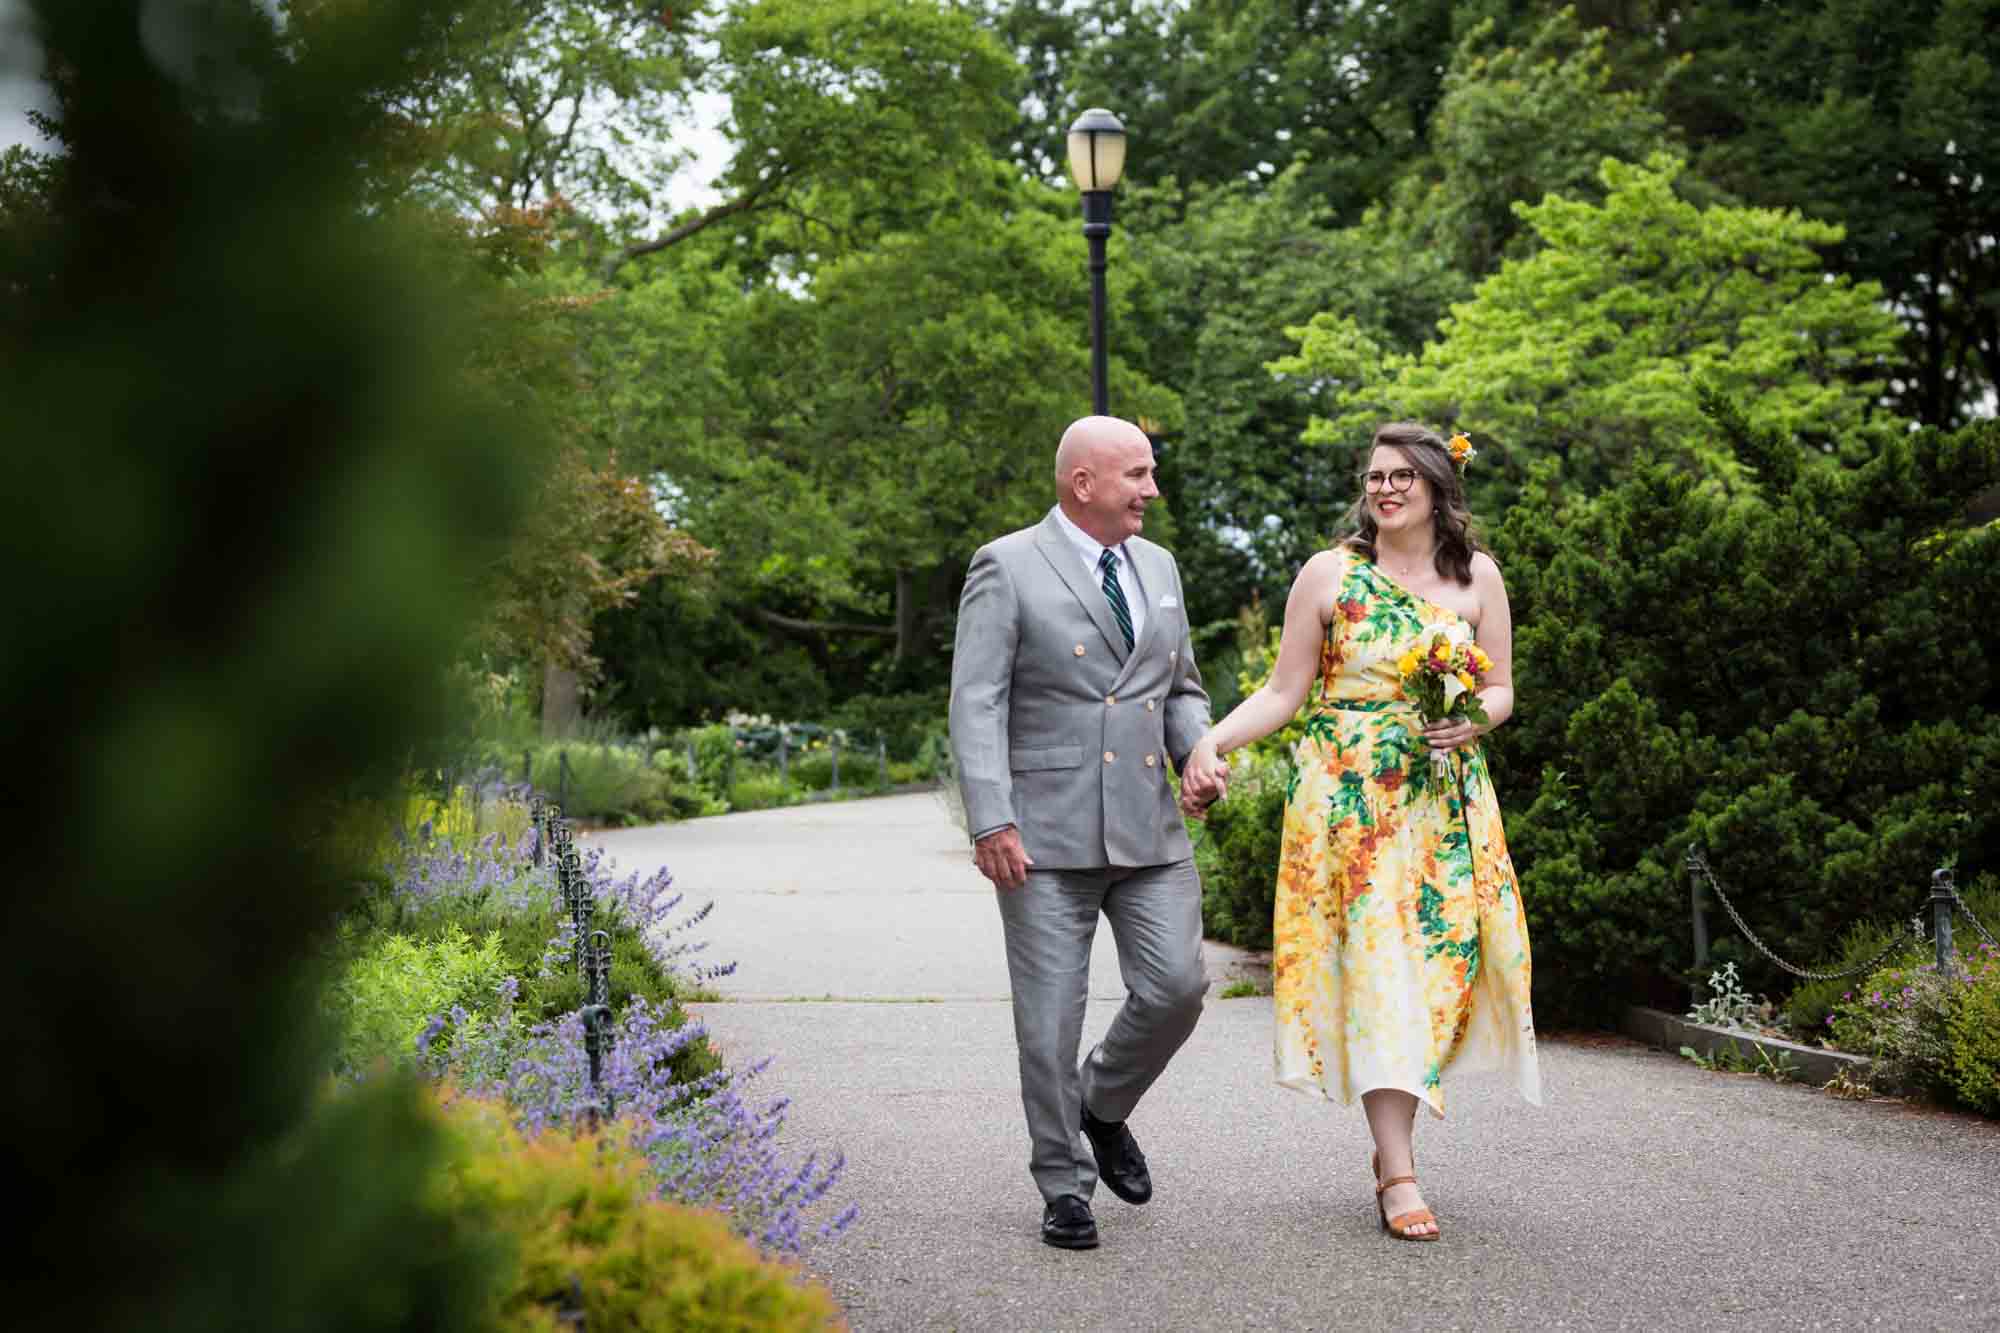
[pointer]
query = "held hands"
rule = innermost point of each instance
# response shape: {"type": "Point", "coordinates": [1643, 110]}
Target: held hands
{"type": "Point", "coordinates": [1204, 780]}
{"type": "Point", "coordinates": [1002, 859]}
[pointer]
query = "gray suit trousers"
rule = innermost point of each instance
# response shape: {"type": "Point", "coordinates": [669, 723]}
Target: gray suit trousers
{"type": "Point", "coordinates": [1155, 914]}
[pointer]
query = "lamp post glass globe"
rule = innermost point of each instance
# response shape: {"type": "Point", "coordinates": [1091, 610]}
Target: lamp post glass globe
{"type": "Point", "coordinates": [1096, 150]}
{"type": "Point", "coordinates": [1096, 161]}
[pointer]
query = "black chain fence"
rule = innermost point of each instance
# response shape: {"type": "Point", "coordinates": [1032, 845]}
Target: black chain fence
{"type": "Point", "coordinates": [1944, 902]}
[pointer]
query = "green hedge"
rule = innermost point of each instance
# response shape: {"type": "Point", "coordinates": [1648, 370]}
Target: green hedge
{"type": "Point", "coordinates": [1238, 856]}
{"type": "Point", "coordinates": [1796, 678]}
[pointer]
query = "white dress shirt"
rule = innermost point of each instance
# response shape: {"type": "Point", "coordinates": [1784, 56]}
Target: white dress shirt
{"type": "Point", "coordinates": [1090, 551]}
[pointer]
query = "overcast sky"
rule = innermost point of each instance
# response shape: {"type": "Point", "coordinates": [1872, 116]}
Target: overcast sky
{"type": "Point", "coordinates": [18, 88]}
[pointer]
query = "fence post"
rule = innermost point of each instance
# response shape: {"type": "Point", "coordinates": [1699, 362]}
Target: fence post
{"type": "Point", "coordinates": [1942, 894]}
{"type": "Point", "coordinates": [562, 779]}
{"type": "Point", "coordinates": [882, 761]}
{"type": "Point", "coordinates": [1700, 918]}
{"type": "Point", "coordinates": [528, 768]}
{"type": "Point", "coordinates": [597, 1023]}
{"type": "Point", "coordinates": [836, 763]}
{"type": "Point", "coordinates": [784, 757]}
{"type": "Point", "coordinates": [694, 773]}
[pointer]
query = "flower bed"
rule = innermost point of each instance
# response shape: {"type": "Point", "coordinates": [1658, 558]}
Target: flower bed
{"type": "Point", "coordinates": [461, 967]}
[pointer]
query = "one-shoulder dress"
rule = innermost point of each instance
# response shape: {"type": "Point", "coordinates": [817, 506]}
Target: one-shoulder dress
{"type": "Point", "coordinates": [1401, 950]}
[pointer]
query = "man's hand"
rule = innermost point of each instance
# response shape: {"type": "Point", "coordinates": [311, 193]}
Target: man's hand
{"type": "Point", "coordinates": [1196, 807]}
{"type": "Point", "coordinates": [1204, 779]}
{"type": "Point", "coordinates": [1002, 859]}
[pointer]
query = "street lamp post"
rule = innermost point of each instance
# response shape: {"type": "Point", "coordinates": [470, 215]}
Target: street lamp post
{"type": "Point", "coordinates": [1096, 161]}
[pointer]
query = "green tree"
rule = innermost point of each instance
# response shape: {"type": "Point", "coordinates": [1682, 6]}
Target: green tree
{"type": "Point", "coordinates": [525, 101]}
{"type": "Point", "coordinates": [1882, 117]}
{"type": "Point", "coordinates": [1216, 277]}
{"type": "Point", "coordinates": [1517, 123]}
{"type": "Point", "coordinates": [595, 540]}
{"type": "Point", "coordinates": [1222, 91]}
{"type": "Point", "coordinates": [886, 421]}
{"type": "Point", "coordinates": [849, 119]}
{"type": "Point", "coordinates": [1590, 349]}
{"type": "Point", "coordinates": [1216, 92]}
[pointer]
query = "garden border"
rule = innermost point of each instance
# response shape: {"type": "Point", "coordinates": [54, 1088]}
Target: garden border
{"type": "Point", "coordinates": [1814, 1064]}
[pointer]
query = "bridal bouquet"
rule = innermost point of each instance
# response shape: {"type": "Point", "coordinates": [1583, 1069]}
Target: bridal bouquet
{"type": "Point", "coordinates": [1442, 680]}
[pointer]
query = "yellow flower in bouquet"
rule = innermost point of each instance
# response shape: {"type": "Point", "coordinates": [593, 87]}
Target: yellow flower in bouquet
{"type": "Point", "coordinates": [1425, 672]}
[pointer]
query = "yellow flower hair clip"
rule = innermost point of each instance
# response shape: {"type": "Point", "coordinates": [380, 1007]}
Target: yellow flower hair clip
{"type": "Point", "coordinates": [1461, 449]}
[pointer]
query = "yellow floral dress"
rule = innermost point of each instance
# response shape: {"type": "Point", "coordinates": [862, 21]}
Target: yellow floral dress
{"type": "Point", "coordinates": [1401, 949]}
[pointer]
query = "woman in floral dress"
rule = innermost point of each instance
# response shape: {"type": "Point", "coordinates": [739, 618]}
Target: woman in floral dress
{"type": "Point", "coordinates": [1401, 948]}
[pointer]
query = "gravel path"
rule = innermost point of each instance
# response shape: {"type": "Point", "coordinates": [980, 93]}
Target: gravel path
{"type": "Point", "coordinates": [1646, 1194]}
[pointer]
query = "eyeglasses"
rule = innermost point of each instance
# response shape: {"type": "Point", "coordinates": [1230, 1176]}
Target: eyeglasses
{"type": "Point", "coordinates": [1400, 480]}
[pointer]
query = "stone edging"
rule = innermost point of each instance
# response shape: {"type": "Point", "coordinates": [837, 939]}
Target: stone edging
{"type": "Point", "coordinates": [1813, 1063]}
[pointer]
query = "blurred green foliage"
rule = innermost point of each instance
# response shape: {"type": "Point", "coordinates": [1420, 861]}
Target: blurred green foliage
{"type": "Point", "coordinates": [267, 442]}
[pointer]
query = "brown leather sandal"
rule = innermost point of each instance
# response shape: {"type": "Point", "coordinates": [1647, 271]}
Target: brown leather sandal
{"type": "Point", "coordinates": [1399, 1225]}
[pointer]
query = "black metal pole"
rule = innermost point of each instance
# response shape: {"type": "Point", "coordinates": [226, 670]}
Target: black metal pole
{"type": "Point", "coordinates": [1942, 897]}
{"type": "Point", "coordinates": [1096, 230]}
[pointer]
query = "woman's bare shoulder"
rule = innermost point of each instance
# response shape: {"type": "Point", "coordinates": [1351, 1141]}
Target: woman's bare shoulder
{"type": "Point", "coordinates": [1324, 566]}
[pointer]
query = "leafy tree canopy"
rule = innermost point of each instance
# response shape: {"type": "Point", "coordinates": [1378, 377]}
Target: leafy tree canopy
{"type": "Point", "coordinates": [1518, 123]}
{"type": "Point", "coordinates": [1590, 349]}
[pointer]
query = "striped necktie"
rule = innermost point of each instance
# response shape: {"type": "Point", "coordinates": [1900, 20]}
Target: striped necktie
{"type": "Point", "coordinates": [1108, 562]}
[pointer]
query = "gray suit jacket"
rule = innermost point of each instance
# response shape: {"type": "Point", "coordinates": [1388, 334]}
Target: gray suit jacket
{"type": "Point", "coordinates": [1057, 729]}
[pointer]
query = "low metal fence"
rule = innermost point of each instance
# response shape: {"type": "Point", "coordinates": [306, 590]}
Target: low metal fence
{"type": "Point", "coordinates": [779, 744]}
{"type": "Point", "coordinates": [590, 955]}
{"type": "Point", "coordinates": [1944, 900]}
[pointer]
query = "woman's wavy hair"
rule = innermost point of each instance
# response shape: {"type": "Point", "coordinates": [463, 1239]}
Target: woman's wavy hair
{"type": "Point", "coordinates": [1452, 519]}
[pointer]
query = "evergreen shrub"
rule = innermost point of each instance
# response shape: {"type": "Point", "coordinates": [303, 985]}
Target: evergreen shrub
{"type": "Point", "coordinates": [1239, 855]}
{"type": "Point", "coordinates": [1796, 677]}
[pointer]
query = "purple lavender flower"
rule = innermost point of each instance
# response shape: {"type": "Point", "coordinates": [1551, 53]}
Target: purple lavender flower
{"type": "Point", "coordinates": [708, 1144]}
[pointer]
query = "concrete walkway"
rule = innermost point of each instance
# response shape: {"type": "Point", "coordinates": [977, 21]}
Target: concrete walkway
{"type": "Point", "coordinates": [1646, 1194]}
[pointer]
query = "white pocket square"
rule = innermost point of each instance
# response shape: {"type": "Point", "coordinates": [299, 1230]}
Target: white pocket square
{"type": "Point", "coordinates": [1168, 601]}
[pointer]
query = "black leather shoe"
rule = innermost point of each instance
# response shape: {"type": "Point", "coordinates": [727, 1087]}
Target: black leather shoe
{"type": "Point", "coordinates": [1120, 1164]}
{"type": "Point", "coordinates": [1068, 1225]}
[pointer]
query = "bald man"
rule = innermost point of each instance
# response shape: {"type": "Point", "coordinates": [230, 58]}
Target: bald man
{"type": "Point", "coordinates": [1073, 687]}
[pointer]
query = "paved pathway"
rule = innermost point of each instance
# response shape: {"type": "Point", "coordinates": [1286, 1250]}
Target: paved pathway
{"type": "Point", "coordinates": [1647, 1194]}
